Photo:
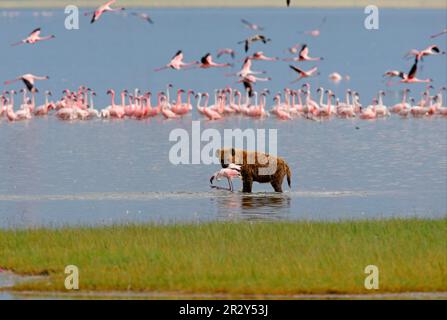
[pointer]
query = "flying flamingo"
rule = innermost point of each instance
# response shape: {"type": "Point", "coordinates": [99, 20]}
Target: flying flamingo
{"type": "Point", "coordinates": [247, 42]}
{"type": "Point", "coordinates": [315, 32]}
{"type": "Point", "coordinates": [33, 38]}
{"type": "Point", "coordinates": [429, 51]}
{"type": "Point", "coordinates": [252, 26]}
{"type": "Point", "coordinates": [102, 9]}
{"type": "Point", "coordinates": [143, 16]}
{"type": "Point", "coordinates": [407, 78]}
{"type": "Point", "coordinates": [246, 69]}
{"type": "Point", "coordinates": [233, 171]}
{"type": "Point", "coordinates": [304, 55]}
{"type": "Point", "coordinates": [411, 77]}
{"type": "Point", "coordinates": [207, 62]}
{"type": "Point", "coordinates": [304, 74]}
{"type": "Point", "coordinates": [28, 80]}
{"type": "Point", "coordinates": [177, 63]}
{"type": "Point", "coordinates": [228, 51]}
{"type": "Point", "coordinates": [261, 57]}
{"type": "Point", "coordinates": [439, 34]}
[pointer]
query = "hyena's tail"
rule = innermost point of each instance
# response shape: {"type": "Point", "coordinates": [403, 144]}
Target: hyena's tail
{"type": "Point", "coordinates": [289, 176]}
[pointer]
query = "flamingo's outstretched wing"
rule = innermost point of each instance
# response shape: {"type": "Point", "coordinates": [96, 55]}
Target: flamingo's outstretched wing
{"type": "Point", "coordinates": [413, 69]}
{"type": "Point", "coordinates": [35, 32]}
{"type": "Point", "coordinates": [296, 69]}
{"type": "Point", "coordinates": [247, 23]}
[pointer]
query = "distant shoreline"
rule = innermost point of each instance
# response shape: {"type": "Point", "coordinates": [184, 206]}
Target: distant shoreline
{"type": "Point", "coordinates": [45, 4]}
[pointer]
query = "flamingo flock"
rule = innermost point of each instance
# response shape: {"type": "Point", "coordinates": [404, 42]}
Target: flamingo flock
{"type": "Point", "coordinates": [298, 103]}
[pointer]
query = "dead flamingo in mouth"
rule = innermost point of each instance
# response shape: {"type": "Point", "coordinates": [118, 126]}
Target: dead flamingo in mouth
{"type": "Point", "coordinates": [102, 9]}
{"type": "Point", "coordinates": [233, 171]}
{"type": "Point", "coordinates": [33, 38]}
{"type": "Point", "coordinates": [177, 63]}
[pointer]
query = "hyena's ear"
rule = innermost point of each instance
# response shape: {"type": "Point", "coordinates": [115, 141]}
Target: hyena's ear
{"type": "Point", "coordinates": [233, 152]}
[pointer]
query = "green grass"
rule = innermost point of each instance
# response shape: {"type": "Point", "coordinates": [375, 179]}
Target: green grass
{"type": "Point", "coordinates": [235, 258]}
{"type": "Point", "coordinates": [227, 3]}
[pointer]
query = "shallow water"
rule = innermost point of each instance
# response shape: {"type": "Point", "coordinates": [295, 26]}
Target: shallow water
{"type": "Point", "coordinates": [102, 172]}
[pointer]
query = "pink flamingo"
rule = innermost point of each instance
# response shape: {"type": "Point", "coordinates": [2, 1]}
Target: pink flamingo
{"type": "Point", "coordinates": [439, 34]}
{"type": "Point", "coordinates": [33, 38]}
{"type": "Point", "coordinates": [315, 32]}
{"type": "Point", "coordinates": [102, 9]}
{"type": "Point", "coordinates": [28, 79]}
{"type": "Point", "coordinates": [304, 74]}
{"type": "Point", "coordinates": [177, 63]}
{"type": "Point", "coordinates": [258, 37]}
{"type": "Point", "coordinates": [429, 51]}
{"type": "Point", "coordinates": [410, 77]}
{"type": "Point", "coordinates": [370, 112]}
{"type": "Point", "coordinates": [152, 112]}
{"type": "Point", "coordinates": [44, 109]}
{"type": "Point", "coordinates": [233, 171]}
{"type": "Point", "coordinates": [207, 62]}
{"type": "Point", "coordinates": [182, 108]}
{"type": "Point", "coordinates": [304, 55]}
{"type": "Point", "coordinates": [23, 114]}
{"type": "Point", "coordinates": [251, 26]}
{"type": "Point", "coordinates": [259, 56]}
{"type": "Point", "coordinates": [227, 51]}
{"type": "Point", "coordinates": [399, 106]}
{"type": "Point", "coordinates": [116, 111]}
{"type": "Point", "coordinates": [166, 111]}
{"type": "Point", "coordinates": [212, 114]}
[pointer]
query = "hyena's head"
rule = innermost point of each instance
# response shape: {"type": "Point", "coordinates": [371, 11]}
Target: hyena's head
{"type": "Point", "coordinates": [229, 155]}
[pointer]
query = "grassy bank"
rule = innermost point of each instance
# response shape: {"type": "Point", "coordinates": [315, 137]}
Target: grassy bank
{"type": "Point", "coordinates": [229, 3]}
{"type": "Point", "coordinates": [239, 258]}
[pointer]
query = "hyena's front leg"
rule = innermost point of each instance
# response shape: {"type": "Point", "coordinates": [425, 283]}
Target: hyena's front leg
{"type": "Point", "coordinates": [247, 184]}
